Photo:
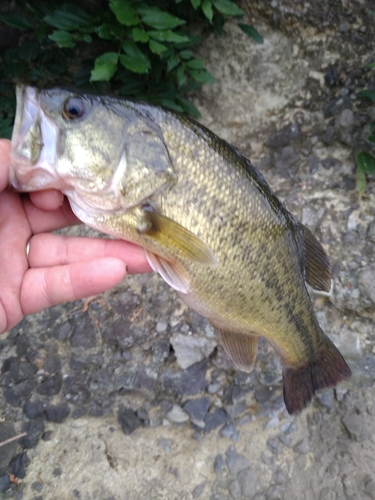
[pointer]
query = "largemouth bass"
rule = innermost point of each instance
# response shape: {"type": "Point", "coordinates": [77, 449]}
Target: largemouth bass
{"type": "Point", "coordinates": [207, 219]}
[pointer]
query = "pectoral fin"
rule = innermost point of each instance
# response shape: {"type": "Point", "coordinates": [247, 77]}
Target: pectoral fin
{"type": "Point", "coordinates": [241, 348]}
{"type": "Point", "coordinates": [175, 238]}
{"type": "Point", "coordinates": [168, 272]}
{"type": "Point", "coordinates": [317, 265]}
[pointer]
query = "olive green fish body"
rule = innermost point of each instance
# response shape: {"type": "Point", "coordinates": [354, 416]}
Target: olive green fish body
{"type": "Point", "coordinates": [209, 222]}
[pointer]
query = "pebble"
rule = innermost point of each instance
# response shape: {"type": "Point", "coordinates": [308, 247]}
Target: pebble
{"type": "Point", "coordinates": [370, 234]}
{"type": "Point", "coordinates": [197, 409]}
{"type": "Point", "coordinates": [235, 461]}
{"type": "Point", "coordinates": [190, 349]}
{"type": "Point", "coordinates": [216, 418]}
{"type": "Point", "coordinates": [128, 420]}
{"type": "Point", "coordinates": [63, 331]}
{"type": "Point", "coordinates": [177, 415]}
{"type": "Point", "coordinates": [302, 447]}
{"type": "Point", "coordinates": [52, 365]}
{"type": "Point", "coordinates": [284, 136]}
{"type": "Point", "coordinates": [219, 464]}
{"type": "Point", "coordinates": [356, 427]}
{"type": "Point", "coordinates": [229, 431]}
{"type": "Point", "coordinates": [34, 409]}
{"type": "Point", "coordinates": [248, 481]}
{"type": "Point", "coordinates": [326, 398]}
{"type": "Point", "coordinates": [4, 483]}
{"type": "Point", "coordinates": [198, 490]}
{"type": "Point", "coordinates": [19, 464]}
{"type": "Point", "coordinates": [146, 378]}
{"type": "Point", "coordinates": [160, 350]}
{"type": "Point", "coordinates": [7, 451]}
{"type": "Point", "coordinates": [335, 106]}
{"type": "Point", "coordinates": [286, 159]}
{"type": "Point", "coordinates": [274, 445]}
{"type": "Point", "coordinates": [331, 162]}
{"type": "Point", "coordinates": [57, 413]}
{"type": "Point", "coordinates": [50, 385]}
{"type": "Point", "coordinates": [366, 284]}
{"type": "Point", "coordinates": [190, 382]}
{"type": "Point", "coordinates": [235, 489]}
{"type": "Point", "coordinates": [34, 429]}
{"type": "Point", "coordinates": [84, 333]}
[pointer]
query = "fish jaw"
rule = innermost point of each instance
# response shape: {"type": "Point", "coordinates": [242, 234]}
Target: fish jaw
{"type": "Point", "coordinates": [34, 149]}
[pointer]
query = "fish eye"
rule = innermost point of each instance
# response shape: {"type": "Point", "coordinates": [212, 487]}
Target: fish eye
{"type": "Point", "coordinates": [73, 108]}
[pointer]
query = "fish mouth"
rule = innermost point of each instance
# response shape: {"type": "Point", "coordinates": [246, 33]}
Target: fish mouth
{"type": "Point", "coordinates": [33, 145]}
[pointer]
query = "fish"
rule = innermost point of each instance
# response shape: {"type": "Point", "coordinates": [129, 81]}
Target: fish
{"type": "Point", "coordinates": [209, 223]}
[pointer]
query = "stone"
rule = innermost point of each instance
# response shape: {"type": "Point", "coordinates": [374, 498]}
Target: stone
{"type": "Point", "coordinates": [284, 136]}
{"type": "Point", "coordinates": [190, 349]}
{"type": "Point", "coordinates": [356, 427]}
{"type": "Point", "coordinates": [34, 409]}
{"type": "Point", "coordinates": [19, 464]}
{"type": "Point", "coordinates": [274, 445]}
{"type": "Point", "coordinates": [366, 284]}
{"type": "Point", "coordinates": [248, 481]}
{"type": "Point", "coordinates": [63, 331]}
{"type": "Point", "coordinates": [216, 418]}
{"type": "Point", "coordinates": [146, 378]}
{"type": "Point", "coordinates": [160, 350]}
{"type": "Point", "coordinates": [4, 483]}
{"type": "Point", "coordinates": [7, 451]}
{"type": "Point", "coordinates": [20, 371]}
{"type": "Point", "coordinates": [326, 398]}
{"type": "Point", "coordinates": [219, 464]}
{"type": "Point", "coordinates": [52, 365]}
{"type": "Point", "coordinates": [177, 415]}
{"type": "Point", "coordinates": [331, 162]}
{"type": "Point", "coordinates": [235, 489]}
{"type": "Point", "coordinates": [84, 333]}
{"type": "Point", "coordinates": [198, 490]}
{"type": "Point", "coordinates": [50, 385]}
{"type": "Point", "coordinates": [370, 234]}
{"type": "Point", "coordinates": [235, 461]}
{"type": "Point", "coordinates": [128, 420]}
{"type": "Point", "coordinates": [335, 106]}
{"type": "Point", "coordinates": [190, 382]}
{"type": "Point", "coordinates": [229, 431]}
{"type": "Point", "coordinates": [34, 430]}
{"type": "Point", "coordinates": [302, 446]}
{"type": "Point", "coordinates": [286, 159]}
{"type": "Point", "coordinates": [197, 409]}
{"type": "Point", "coordinates": [57, 413]}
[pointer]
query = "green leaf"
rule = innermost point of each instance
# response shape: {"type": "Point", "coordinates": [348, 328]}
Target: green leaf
{"type": "Point", "coordinates": [156, 47]}
{"type": "Point", "coordinates": [228, 8]}
{"type": "Point", "coordinates": [195, 3]}
{"type": "Point", "coordinates": [68, 17]}
{"type": "Point", "coordinates": [124, 12]}
{"type": "Point", "coordinates": [186, 54]}
{"type": "Point", "coordinates": [252, 33]}
{"type": "Point", "coordinates": [159, 19]}
{"type": "Point", "coordinates": [16, 21]}
{"type": "Point", "coordinates": [207, 10]}
{"type": "Point", "coordinates": [170, 104]}
{"type": "Point", "coordinates": [63, 38]}
{"type": "Point", "coordinates": [172, 62]}
{"type": "Point", "coordinates": [202, 76]}
{"type": "Point", "coordinates": [181, 77]}
{"type": "Point", "coordinates": [105, 67]}
{"type": "Point", "coordinates": [140, 35]}
{"type": "Point", "coordinates": [365, 162]}
{"type": "Point", "coordinates": [109, 31]}
{"type": "Point", "coordinates": [360, 181]}
{"type": "Point", "coordinates": [189, 107]}
{"type": "Point", "coordinates": [195, 64]}
{"type": "Point", "coordinates": [168, 36]}
{"type": "Point", "coordinates": [134, 64]}
{"type": "Point", "coordinates": [132, 50]}
{"type": "Point", "coordinates": [370, 94]}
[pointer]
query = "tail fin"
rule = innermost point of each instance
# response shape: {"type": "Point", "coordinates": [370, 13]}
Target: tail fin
{"type": "Point", "coordinates": [326, 369]}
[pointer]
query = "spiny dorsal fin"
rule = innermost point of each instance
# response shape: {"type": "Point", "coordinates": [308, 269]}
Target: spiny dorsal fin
{"type": "Point", "coordinates": [317, 264]}
{"type": "Point", "coordinates": [241, 348]}
{"type": "Point", "coordinates": [177, 239]}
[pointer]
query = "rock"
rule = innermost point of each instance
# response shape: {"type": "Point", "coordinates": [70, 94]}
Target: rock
{"type": "Point", "coordinates": [326, 398]}
{"type": "Point", "coordinates": [371, 231]}
{"type": "Point", "coordinates": [284, 137]}
{"type": "Point", "coordinates": [229, 431]}
{"type": "Point", "coordinates": [20, 371]}
{"type": "Point", "coordinates": [275, 492]}
{"type": "Point", "coordinates": [7, 451]}
{"type": "Point", "coordinates": [19, 464]}
{"type": "Point", "coordinates": [235, 489]}
{"type": "Point", "coordinates": [303, 446]}
{"type": "Point", "coordinates": [236, 462]}
{"type": "Point", "coordinates": [274, 445]}
{"type": "Point", "coordinates": [52, 365]}
{"type": "Point", "coordinates": [327, 494]}
{"type": "Point", "coordinates": [313, 218]}
{"type": "Point", "coordinates": [328, 135]}
{"type": "Point", "coordinates": [216, 418]}
{"type": "Point", "coordinates": [331, 162]}
{"type": "Point", "coordinates": [191, 349]}
{"type": "Point", "coordinates": [84, 333]}
{"type": "Point", "coordinates": [190, 382]}
{"type": "Point", "coordinates": [219, 464]}
{"type": "Point", "coordinates": [177, 415]}
{"type": "Point", "coordinates": [128, 420]}
{"type": "Point", "coordinates": [57, 413]}
{"type": "Point", "coordinates": [286, 159]}
{"type": "Point", "coordinates": [160, 350]}
{"type": "Point", "coordinates": [198, 490]}
{"type": "Point", "coordinates": [344, 126]}
{"type": "Point", "coordinates": [4, 483]}
{"type": "Point", "coordinates": [248, 481]}
{"type": "Point", "coordinates": [197, 410]}
{"type": "Point", "coordinates": [335, 106]}
{"type": "Point", "coordinates": [34, 430]}
{"type": "Point", "coordinates": [146, 378]}
{"type": "Point", "coordinates": [34, 409]}
{"type": "Point", "coordinates": [356, 427]}
{"type": "Point", "coordinates": [63, 331]}
{"type": "Point", "coordinates": [50, 385]}
{"type": "Point", "coordinates": [366, 284]}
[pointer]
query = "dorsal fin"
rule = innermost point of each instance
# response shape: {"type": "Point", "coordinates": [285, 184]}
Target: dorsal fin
{"type": "Point", "coordinates": [317, 264]}
{"type": "Point", "coordinates": [241, 348]}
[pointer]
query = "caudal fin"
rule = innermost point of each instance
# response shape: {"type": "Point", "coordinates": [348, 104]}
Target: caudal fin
{"type": "Point", "coordinates": [327, 369]}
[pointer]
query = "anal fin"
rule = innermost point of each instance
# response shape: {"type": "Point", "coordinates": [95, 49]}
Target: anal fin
{"type": "Point", "coordinates": [326, 369]}
{"type": "Point", "coordinates": [241, 348]}
{"type": "Point", "coordinates": [317, 264]}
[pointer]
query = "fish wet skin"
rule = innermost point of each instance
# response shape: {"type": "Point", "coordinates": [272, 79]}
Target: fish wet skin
{"type": "Point", "coordinates": [207, 219]}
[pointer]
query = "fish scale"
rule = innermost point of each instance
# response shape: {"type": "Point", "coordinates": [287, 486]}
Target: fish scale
{"type": "Point", "coordinates": [207, 219]}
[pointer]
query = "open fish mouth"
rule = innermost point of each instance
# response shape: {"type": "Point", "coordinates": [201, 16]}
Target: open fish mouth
{"type": "Point", "coordinates": [34, 141]}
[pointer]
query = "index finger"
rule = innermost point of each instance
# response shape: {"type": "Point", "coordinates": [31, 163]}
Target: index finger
{"type": "Point", "coordinates": [4, 163]}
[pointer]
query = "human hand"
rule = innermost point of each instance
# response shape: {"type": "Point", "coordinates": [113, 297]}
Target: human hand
{"type": "Point", "coordinates": [57, 268]}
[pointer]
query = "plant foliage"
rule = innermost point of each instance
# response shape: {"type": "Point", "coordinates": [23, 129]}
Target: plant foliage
{"type": "Point", "coordinates": [141, 49]}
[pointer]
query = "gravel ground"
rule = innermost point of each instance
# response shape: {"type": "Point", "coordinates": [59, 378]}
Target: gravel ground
{"type": "Point", "coordinates": [128, 396]}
